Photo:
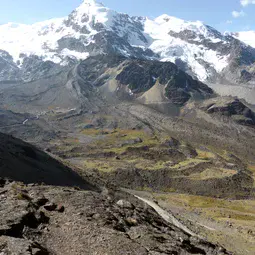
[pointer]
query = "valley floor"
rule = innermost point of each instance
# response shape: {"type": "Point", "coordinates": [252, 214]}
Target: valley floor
{"type": "Point", "coordinates": [193, 169]}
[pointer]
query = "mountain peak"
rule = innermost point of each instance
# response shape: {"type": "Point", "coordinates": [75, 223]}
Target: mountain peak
{"type": "Point", "coordinates": [90, 12]}
{"type": "Point", "coordinates": [91, 3]}
{"type": "Point", "coordinates": [91, 6]}
{"type": "Point", "coordinates": [165, 18]}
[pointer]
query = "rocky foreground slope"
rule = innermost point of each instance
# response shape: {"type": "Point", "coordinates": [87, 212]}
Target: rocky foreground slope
{"type": "Point", "coordinates": [38, 219]}
{"type": "Point", "coordinates": [51, 220]}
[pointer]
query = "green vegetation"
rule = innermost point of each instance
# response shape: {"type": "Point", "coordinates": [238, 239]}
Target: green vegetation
{"type": "Point", "coordinates": [213, 173]}
{"type": "Point", "coordinates": [23, 196]}
{"type": "Point", "coordinates": [19, 191]}
{"type": "Point", "coordinates": [109, 150]}
{"type": "Point", "coordinates": [104, 166]}
{"type": "Point", "coordinates": [93, 132]}
{"type": "Point", "coordinates": [205, 155]}
{"type": "Point", "coordinates": [117, 140]}
{"type": "Point", "coordinates": [189, 163]}
{"type": "Point", "coordinates": [215, 208]}
{"type": "Point", "coordinates": [17, 185]}
{"type": "Point", "coordinates": [252, 169]}
{"type": "Point", "coordinates": [144, 189]}
{"type": "Point", "coordinates": [153, 164]}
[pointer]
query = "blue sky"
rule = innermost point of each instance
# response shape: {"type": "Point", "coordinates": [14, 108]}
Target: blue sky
{"type": "Point", "coordinates": [230, 15]}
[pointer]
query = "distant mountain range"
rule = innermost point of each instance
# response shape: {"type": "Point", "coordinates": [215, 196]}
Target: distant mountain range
{"type": "Point", "coordinates": [93, 29]}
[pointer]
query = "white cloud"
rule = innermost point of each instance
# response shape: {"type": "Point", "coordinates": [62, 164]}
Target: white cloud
{"type": "Point", "coordinates": [229, 21]}
{"type": "Point", "coordinates": [237, 14]}
{"type": "Point", "coordinates": [247, 2]}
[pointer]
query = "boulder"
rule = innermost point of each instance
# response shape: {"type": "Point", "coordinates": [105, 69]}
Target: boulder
{"type": "Point", "coordinates": [125, 204]}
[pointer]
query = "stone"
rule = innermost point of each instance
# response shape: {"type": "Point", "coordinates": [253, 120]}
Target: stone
{"type": "Point", "coordinates": [41, 217]}
{"type": "Point", "coordinates": [172, 142]}
{"type": "Point", "coordinates": [60, 208]}
{"type": "Point", "coordinates": [125, 204]}
{"type": "Point", "coordinates": [96, 216]}
{"type": "Point", "coordinates": [132, 221]}
{"type": "Point", "coordinates": [11, 245]}
{"type": "Point", "coordinates": [41, 201]}
{"type": "Point", "coordinates": [50, 207]}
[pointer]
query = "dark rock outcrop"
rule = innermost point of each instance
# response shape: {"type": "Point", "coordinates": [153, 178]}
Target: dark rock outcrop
{"type": "Point", "coordinates": [139, 76]}
{"type": "Point", "coordinates": [142, 75]}
{"type": "Point", "coordinates": [230, 107]}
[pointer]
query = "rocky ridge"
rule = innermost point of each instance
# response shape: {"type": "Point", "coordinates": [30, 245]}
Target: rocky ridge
{"type": "Point", "coordinates": [105, 78]}
{"type": "Point", "coordinates": [230, 107]}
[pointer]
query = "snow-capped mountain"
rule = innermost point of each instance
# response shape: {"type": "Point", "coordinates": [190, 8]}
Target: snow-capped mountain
{"type": "Point", "coordinates": [93, 29]}
{"type": "Point", "coordinates": [70, 36]}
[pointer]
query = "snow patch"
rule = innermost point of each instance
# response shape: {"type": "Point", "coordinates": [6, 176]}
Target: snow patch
{"type": "Point", "coordinates": [171, 48]}
{"type": "Point", "coordinates": [95, 12]}
{"type": "Point", "coordinates": [74, 54]}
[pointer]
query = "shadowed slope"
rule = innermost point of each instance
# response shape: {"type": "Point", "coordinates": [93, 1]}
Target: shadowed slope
{"type": "Point", "coordinates": [20, 161]}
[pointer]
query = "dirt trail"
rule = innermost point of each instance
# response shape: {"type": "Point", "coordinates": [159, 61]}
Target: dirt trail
{"type": "Point", "coordinates": [164, 214]}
